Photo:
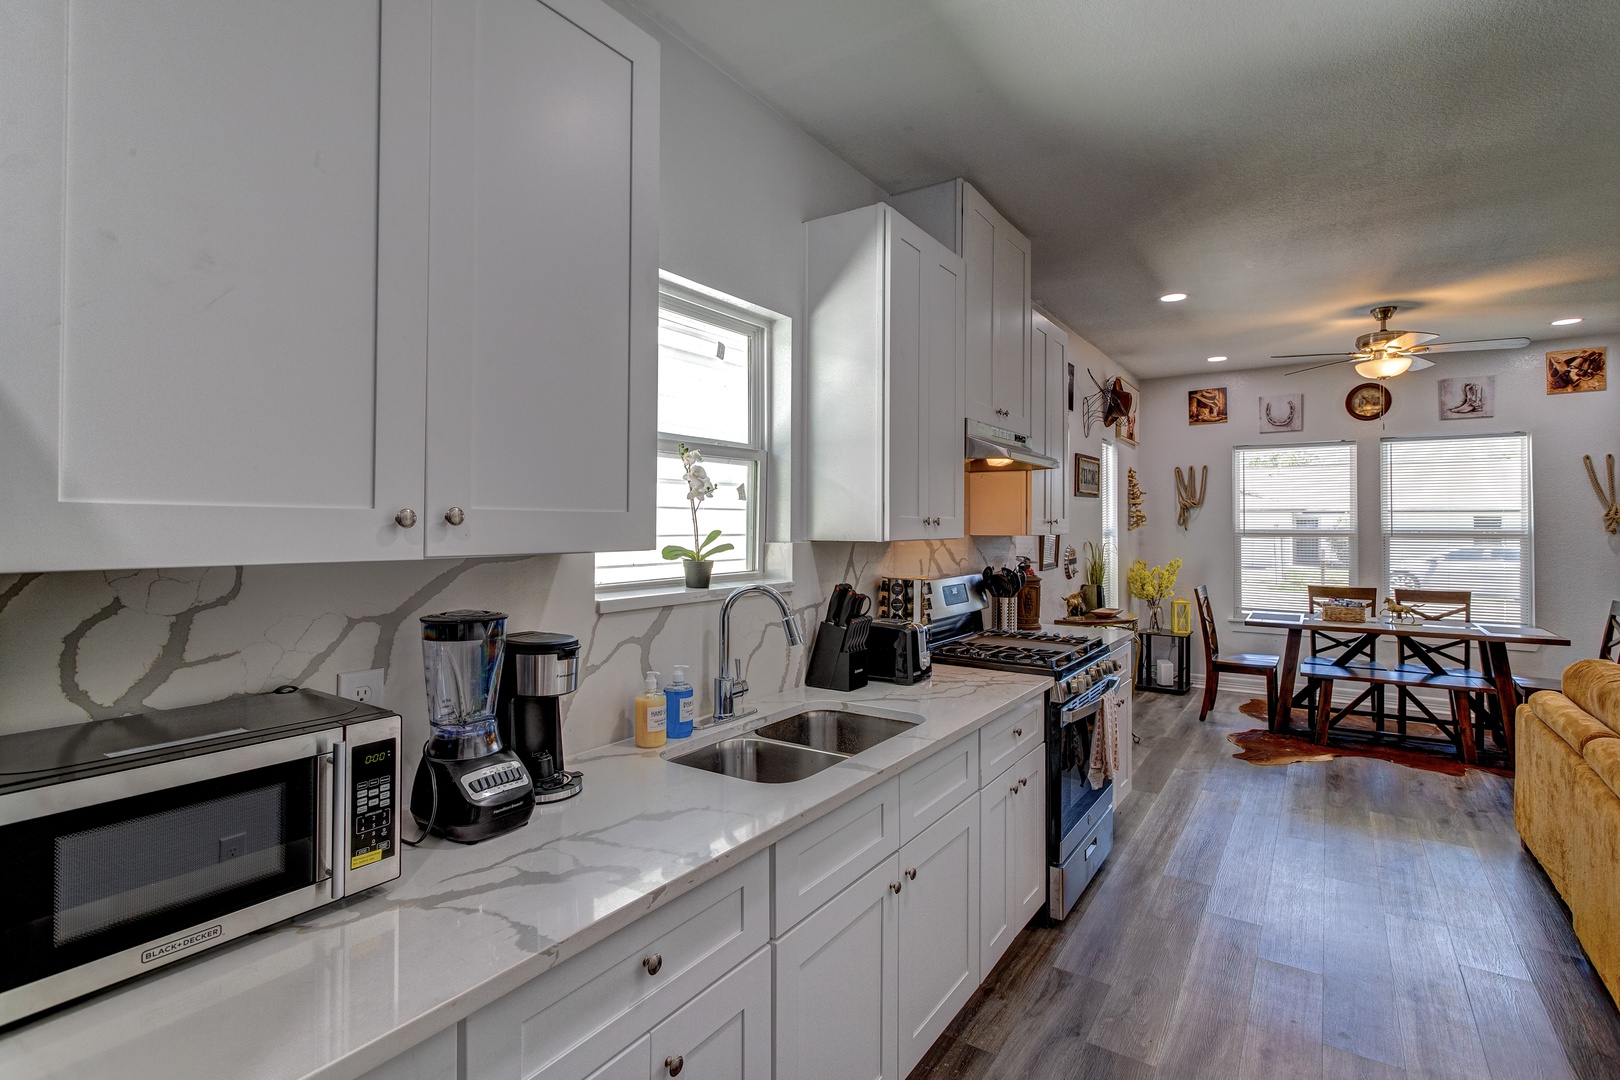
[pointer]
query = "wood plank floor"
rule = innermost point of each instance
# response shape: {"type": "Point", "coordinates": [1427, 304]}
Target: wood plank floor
{"type": "Point", "coordinates": [1353, 919]}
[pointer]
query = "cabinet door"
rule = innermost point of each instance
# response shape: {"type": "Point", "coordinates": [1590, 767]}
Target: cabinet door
{"type": "Point", "coordinates": [635, 1063]}
{"type": "Point", "coordinates": [939, 928]}
{"type": "Point", "coordinates": [998, 851]}
{"type": "Point", "coordinates": [434, 1059]}
{"type": "Point", "coordinates": [1027, 859]}
{"type": "Point", "coordinates": [1051, 353]}
{"type": "Point", "coordinates": [997, 266]}
{"type": "Point", "coordinates": [543, 291]}
{"type": "Point", "coordinates": [213, 317]}
{"type": "Point", "coordinates": [836, 985]}
{"type": "Point", "coordinates": [724, 1033]}
{"type": "Point", "coordinates": [909, 253]}
{"type": "Point", "coordinates": [945, 393]}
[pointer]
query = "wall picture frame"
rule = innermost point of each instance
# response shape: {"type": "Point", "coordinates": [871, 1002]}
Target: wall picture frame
{"type": "Point", "coordinates": [1125, 428]}
{"type": "Point", "coordinates": [1469, 398]}
{"type": "Point", "coordinates": [1575, 371]}
{"type": "Point", "coordinates": [1046, 551]}
{"type": "Point", "coordinates": [1087, 476]}
{"type": "Point", "coordinates": [1206, 406]}
{"type": "Point", "coordinates": [1282, 413]}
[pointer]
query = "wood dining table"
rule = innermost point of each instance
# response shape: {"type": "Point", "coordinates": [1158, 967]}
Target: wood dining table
{"type": "Point", "coordinates": [1493, 640]}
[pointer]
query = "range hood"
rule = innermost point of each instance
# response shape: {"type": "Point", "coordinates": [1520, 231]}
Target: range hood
{"type": "Point", "coordinates": [993, 449]}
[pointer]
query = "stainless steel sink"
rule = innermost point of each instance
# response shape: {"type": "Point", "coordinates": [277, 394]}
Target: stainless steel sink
{"type": "Point", "coordinates": [834, 730]}
{"type": "Point", "coordinates": [759, 760]}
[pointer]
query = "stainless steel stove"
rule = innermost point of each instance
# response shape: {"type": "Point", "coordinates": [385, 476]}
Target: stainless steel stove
{"type": "Point", "coordinates": [1079, 816]}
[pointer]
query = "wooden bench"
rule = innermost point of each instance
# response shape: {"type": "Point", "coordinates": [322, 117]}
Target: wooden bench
{"type": "Point", "coordinates": [1456, 682]}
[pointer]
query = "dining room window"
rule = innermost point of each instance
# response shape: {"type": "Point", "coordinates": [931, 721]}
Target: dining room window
{"type": "Point", "coordinates": [1295, 519]}
{"type": "Point", "coordinates": [1107, 491]}
{"type": "Point", "coordinates": [712, 371]}
{"type": "Point", "coordinates": [1456, 515]}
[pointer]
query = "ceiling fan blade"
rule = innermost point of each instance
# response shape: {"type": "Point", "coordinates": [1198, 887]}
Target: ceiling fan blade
{"type": "Point", "coordinates": [1314, 367]}
{"type": "Point", "coordinates": [1311, 355]}
{"type": "Point", "coordinates": [1418, 364]}
{"type": "Point", "coordinates": [1472, 346]}
{"type": "Point", "coordinates": [1406, 340]}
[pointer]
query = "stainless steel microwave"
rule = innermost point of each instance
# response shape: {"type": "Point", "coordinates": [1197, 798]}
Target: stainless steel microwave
{"type": "Point", "coordinates": [130, 843]}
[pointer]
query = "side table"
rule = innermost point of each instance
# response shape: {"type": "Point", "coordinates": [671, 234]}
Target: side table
{"type": "Point", "coordinates": [1163, 644]}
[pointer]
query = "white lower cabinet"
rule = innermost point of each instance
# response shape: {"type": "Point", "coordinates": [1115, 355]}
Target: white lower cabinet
{"type": "Point", "coordinates": [722, 1034]}
{"type": "Point", "coordinates": [939, 928]}
{"type": "Point", "coordinates": [1012, 854]}
{"type": "Point", "coordinates": [837, 988]}
{"type": "Point", "coordinates": [434, 1059]}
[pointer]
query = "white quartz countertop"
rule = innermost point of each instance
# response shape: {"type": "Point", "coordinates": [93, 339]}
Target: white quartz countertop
{"type": "Point", "coordinates": [339, 991]}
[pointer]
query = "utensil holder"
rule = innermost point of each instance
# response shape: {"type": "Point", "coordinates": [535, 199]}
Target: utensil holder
{"type": "Point", "coordinates": [838, 658]}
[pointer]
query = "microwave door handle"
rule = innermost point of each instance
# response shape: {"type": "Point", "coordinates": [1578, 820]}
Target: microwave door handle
{"type": "Point", "coordinates": [326, 787]}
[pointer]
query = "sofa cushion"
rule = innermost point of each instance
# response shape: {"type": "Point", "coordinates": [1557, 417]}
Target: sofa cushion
{"type": "Point", "coordinates": [1604, 757]}
{"type": "Point", "coordinates": [1594, 685]}
{"type": "Point", "coordinates": [1572, 724]}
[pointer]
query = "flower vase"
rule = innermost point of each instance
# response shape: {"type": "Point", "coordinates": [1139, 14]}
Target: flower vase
{"type": "Point", "coordinates": [1155, 614]}
{"type": "Point", "coordinates": [697, 572]}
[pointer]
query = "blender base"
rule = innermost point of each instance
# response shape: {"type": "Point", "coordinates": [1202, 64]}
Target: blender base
{"type": "Point", "coordinates": [442, 803]}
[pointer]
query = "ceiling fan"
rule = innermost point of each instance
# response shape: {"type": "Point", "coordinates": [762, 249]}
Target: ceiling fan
{"type": "Point", "coordinates": [1386, 353]}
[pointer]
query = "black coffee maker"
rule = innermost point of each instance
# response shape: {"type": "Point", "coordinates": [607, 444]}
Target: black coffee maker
{"type": "Point", "coordinates": [539, 669]}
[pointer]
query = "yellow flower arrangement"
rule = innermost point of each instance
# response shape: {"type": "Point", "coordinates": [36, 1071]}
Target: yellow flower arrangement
{"type": "Point", "coordinates": [1155, 584]}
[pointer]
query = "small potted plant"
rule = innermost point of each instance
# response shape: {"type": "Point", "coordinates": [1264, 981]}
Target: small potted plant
{"type": "Point", "coordinates": [1096, 567]}
{"type": "Point", "coordinates": [1154, 584]}
{"type": "Point", "coordinates": [698, 560]}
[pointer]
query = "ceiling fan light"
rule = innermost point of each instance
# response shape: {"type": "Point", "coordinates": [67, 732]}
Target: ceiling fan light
{"type": "Point", "coordinates": [1384, 367]}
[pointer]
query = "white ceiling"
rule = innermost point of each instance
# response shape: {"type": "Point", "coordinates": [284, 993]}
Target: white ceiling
{"type": "Point", "coordinates": [1288, 163]}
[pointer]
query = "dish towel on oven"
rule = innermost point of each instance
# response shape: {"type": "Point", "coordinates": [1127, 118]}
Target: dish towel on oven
{"type": "Point", "coordinates": [1104, 743]}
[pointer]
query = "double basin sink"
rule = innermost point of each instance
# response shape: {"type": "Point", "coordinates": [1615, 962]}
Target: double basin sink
{"type": "Point", "coordinates": [795, 746]}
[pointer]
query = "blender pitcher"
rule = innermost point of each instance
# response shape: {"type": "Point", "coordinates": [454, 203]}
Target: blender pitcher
{"type": "Point", "coordinates": [461, 659]}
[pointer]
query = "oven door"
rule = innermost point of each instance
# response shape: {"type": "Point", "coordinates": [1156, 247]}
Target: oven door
{"type": "Point", "coordinates": [1072, 801]}
{"type": "Point", "coordinates": [120, 873]}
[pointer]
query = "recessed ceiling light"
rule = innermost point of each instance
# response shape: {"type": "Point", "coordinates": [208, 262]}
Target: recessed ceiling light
{"type": "Point", "coordinates": [1216, 359]}
{"type": "Point", "coordinates": [1173, 297]}
{"type": "Point", "coordinates": [1565, 322]}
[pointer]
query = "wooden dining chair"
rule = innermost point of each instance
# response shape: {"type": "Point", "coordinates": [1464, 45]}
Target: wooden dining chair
{"type": "Point", "coordinates": [1341, 643]}
{"type": "Point", "coordinates": [1262, 664]}
{"type": "Point", "coordinates": [1441, 605]}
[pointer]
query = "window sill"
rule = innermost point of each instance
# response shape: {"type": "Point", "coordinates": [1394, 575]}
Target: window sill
{"type": "Point", "coordinates": [660, 596]}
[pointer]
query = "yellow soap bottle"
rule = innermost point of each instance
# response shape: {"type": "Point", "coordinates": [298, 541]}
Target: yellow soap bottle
{"type": "Point", "coordinates": [651, 709]}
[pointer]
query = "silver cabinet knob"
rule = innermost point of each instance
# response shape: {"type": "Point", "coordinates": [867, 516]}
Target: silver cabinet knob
{"type": "Point", "coordinates": [1018, 733]}
{"type": "Point", "coordinates": [912, 874]}
{"type": "Point", "coordinates": [1023, 781]}
{"type": "Point", "coordinates": [653, 963]}
{"type": "Point", "coordinates": [406, 518]}
{"type": "Point", "coordinates": [894, 886]}
{"type": "Point", "coordinates": [455, 515]}
{"type": "Point", "coordinates": [675, 1063]}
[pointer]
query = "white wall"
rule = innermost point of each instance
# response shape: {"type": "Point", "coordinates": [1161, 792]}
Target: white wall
{"type": "Point", "coordinates": [1577, 564]}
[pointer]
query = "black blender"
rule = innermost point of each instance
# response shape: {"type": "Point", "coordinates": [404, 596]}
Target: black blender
{"type": "Point", "coordinates": [539, 670]}
{"type": "Point", "coordinates": [468, 788]}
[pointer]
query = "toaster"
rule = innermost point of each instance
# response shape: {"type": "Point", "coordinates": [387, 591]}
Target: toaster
{"type": "Point", "coordinates": [897, 652]}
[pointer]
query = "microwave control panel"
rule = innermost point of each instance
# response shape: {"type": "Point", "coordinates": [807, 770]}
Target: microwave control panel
{"type": "Point", "coordinates": [371, 809]}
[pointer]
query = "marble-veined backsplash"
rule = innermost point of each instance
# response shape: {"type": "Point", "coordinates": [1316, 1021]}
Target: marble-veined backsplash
{"type": "Point", "coordinates": [78, 645]}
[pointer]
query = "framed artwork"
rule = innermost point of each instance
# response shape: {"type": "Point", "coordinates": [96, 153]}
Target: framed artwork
{"type": "Point", "coordinates": [1468, 399]}
{"type": "Point", "coordinates": [1574, 371]}
{"type": "Point", "coordinates": [1071, 387]}
{"type": "Point", "coordinates": [1046, 552]}
{"type": "Point", "coordinates": [1368, 401]}
{"type": "Point", "coordinates": [1282, 412]}
{"type": "Point", "coordinates": [1206, 406]}
{"type": "Point", "coordinates": [1087, 476]}
{"type": "Point", "coordinates": [1131, 398]}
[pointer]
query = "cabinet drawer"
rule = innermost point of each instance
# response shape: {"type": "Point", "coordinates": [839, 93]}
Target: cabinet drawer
{"type": "Point", "coordinates": [574, 1018]}
{"type": "Point", "coordinates": [815, 863]}
{"type": "Point", "coordinates": [933, 787]}
{"type": "Point", "coordinates": [724, 1033]}
{"type": "Point", "coordinates": [1003, 739]}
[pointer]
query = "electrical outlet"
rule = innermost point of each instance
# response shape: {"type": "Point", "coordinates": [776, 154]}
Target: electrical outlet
{"type": "Point", "coordinates": [366, 686]}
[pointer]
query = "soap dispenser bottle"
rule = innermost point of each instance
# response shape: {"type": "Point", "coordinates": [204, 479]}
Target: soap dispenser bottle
{"type": "Point", "coordinates": [682, 706]}
{"type": "Point", "coordinates": [650, 713]}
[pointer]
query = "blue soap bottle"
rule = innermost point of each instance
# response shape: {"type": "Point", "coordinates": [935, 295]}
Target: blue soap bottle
{"type": "Point", "coordinates": [680, 705]}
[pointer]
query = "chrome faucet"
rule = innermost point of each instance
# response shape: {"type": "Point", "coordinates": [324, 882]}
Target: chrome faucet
{"type": "Point", "coordinates": [728, 688]}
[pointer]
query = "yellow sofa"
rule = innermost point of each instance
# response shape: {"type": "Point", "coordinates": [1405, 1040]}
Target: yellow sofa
{"type": "Point", "coordinates": [1566, 801]}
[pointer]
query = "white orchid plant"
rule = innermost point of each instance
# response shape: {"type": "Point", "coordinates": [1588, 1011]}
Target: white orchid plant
{"type": "Point", "coordinates": [698, 488]}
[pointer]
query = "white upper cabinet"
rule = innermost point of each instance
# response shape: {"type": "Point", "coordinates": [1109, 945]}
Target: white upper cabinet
{"type": "Point", "coordinates": [543, 288]}
{"type": "Point", "coordinates": [885, 380]}
{"type": "Point", "coordinates": [216, 287]}
{"type": "Point", "coordinates": [1049, 488]}
{"type": "Point", "coordinates": [200, 251]}
{"type": "Point", "coordinates": [996, 262]}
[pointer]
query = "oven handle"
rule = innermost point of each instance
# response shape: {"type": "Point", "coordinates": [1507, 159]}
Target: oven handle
{"type": "Point", "coordinates": [1087, 702]}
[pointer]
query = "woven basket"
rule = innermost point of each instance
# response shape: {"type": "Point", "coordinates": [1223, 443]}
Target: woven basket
{"type": "Point", "coordinates": [1343, 613]}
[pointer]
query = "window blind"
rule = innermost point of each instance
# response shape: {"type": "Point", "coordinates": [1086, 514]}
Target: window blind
{"type": "Point", "coordinates": [1107, 492]}
{"type": "Point", "coordinates": [1295, 520]}
{"type": "Point", "coordinates": [1456, 515]}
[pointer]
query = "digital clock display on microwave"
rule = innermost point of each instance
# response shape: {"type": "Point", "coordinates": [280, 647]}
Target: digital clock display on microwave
{"type": "Point", "coordinates": [371, 769]}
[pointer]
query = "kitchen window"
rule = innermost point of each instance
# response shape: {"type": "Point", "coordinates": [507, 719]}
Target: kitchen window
{"type": "Point", "coordinates": [1107, 490]}
{"type": "Point", "coordinates": [712, 374]}
{"type": "Point", "coordinates": [1456, 516]}
{"type": "Point", "coordinates": [1295, 510]}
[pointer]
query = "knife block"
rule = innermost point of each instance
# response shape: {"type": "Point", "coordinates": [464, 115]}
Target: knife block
{"type": "Point", "coordinates": [838, 658]}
